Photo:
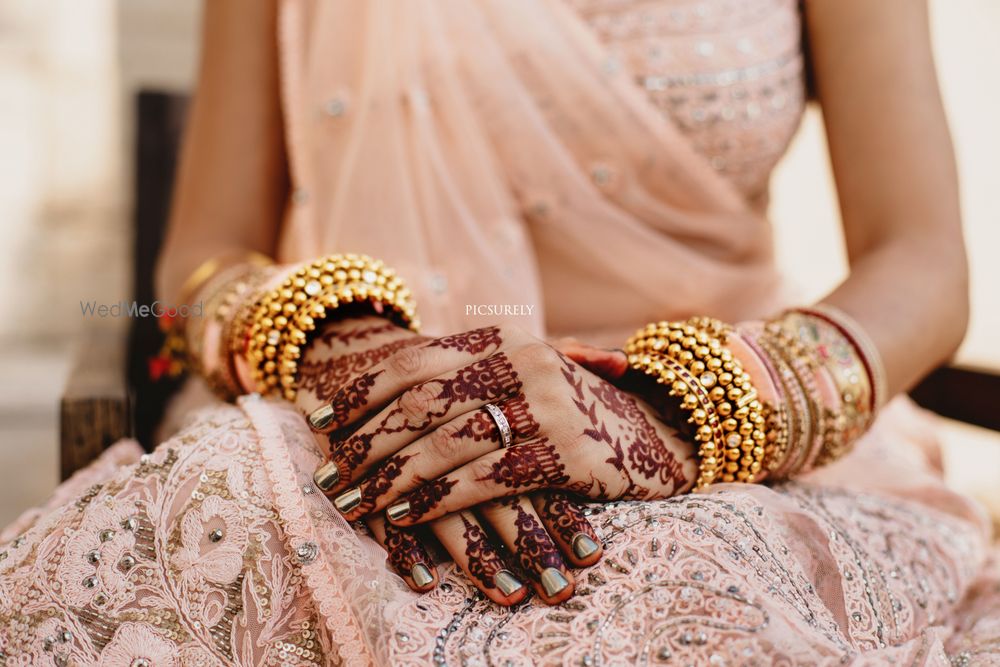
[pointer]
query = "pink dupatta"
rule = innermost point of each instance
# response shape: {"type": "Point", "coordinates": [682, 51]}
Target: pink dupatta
{"type": "Point", "coordinates": [492, 154]}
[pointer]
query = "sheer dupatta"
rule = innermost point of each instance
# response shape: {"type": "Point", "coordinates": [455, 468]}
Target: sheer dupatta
{"type": "Point", "coordinates": [490, 151]}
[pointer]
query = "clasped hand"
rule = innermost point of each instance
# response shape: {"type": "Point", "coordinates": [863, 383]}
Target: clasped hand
{"type": "Point", "coordinates": [409, 435]}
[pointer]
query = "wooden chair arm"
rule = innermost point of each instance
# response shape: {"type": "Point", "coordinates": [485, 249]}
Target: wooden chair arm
{"type": "Point", "coordinates": [95, 407]}
{"type": "Point", "coordinates": [966, 394]}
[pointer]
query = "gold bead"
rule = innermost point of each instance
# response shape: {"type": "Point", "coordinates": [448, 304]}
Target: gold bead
{"type": "Point", "coordinates": [705, 433]}
{"type": "Point", "coordinates": [730, 424]}
{"type": "Point", "coordinates": [724, 409]}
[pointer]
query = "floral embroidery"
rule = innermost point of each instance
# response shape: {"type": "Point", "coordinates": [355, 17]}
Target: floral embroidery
{"type": "Point", "coordinates": [213, 538]}
{"type": "Point", "coordinates": [134, 643]}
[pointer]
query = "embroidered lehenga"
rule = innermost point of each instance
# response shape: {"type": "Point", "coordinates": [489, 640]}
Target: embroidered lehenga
{"type": "Point", "coordinates": [501, 151]}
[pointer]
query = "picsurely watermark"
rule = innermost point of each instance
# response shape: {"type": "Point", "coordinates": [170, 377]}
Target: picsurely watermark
{"type": "Point", "coordinates": [494, 309]}
{"type": "Point", "coordinates": [135, 309]}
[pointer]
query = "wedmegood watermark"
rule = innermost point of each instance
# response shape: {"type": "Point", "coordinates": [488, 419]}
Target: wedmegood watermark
{"type": "Point", "coordinates": [136, 309]}
{"type": "Point", "coordinates": [487, 309]}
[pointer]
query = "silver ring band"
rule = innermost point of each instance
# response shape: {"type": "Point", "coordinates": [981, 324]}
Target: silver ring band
{"type": "Point", "coordinates": [506, 434]}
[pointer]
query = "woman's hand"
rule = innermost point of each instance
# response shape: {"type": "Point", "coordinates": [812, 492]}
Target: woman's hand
{"type": "Point", "coordinates": [411, 434]}
{"type": "Point", "coordinates": [541, 535]}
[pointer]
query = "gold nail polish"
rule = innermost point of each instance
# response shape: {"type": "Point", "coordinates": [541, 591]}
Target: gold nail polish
{"type": "Point", "coordinates": [553, 581]}
{"type": "Point", "coordinates": [327, 476]}
{"type": "Point", "coordinates": [421, 575]}
{"type": "Point", "coordinates": [507, 582]}
{"type": "Point", "coordinates": [398, 510]}
{"type": "Point", "coordinates": [348, 500]}
{"type": "Point", "coordinates": [321, 417]}
{"type": "Point", "coordinates": [584, 545]}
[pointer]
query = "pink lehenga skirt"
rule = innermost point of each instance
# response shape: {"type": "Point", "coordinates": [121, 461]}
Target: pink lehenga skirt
{"type": "Point", "coordinates": [217, 549]}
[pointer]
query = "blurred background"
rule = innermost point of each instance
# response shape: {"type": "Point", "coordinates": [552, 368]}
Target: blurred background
{"type": "Point", "coordinates": [70, 71]}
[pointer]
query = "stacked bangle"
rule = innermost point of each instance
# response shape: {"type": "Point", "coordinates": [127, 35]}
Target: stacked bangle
{"type": "Point", "coordinates": [691, 358]}
{"type": "Point", "coordinates": [284, 317]}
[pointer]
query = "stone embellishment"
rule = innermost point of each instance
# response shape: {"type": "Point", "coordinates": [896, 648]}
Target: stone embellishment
{"type": "Point", "coordinates": [307, 552]}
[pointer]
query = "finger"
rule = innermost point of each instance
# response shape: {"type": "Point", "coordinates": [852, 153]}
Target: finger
{"type": "Point", "coordinates": [441, 451]}
{"type": "Point", "coordinates": [463, 536]}
{"type": "Point", "coordinates": [525, 467]}
{"type": "Point", "coordinates": [609, 364]}
{"type": "Point", "coordinates": [406, 554]}
{"type": "Point", "coordinates": [416, 412]}
{"type": "Point", "coordinates": [518, 525]}
{"type": "Point", "coordinates": [405, 368]}
{"type": "Point", "coordinates": [569, 528]}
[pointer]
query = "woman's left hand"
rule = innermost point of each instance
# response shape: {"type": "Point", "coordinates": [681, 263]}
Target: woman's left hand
{"type": "Point", "coordinates": [418, 435]}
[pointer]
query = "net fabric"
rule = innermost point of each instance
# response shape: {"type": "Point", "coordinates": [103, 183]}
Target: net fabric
{"type": "Point", "coordinates": [495, 159]}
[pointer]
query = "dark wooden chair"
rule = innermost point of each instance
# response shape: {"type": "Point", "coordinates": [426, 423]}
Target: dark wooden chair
{"type": "Point", "coordinates": [109, 394]}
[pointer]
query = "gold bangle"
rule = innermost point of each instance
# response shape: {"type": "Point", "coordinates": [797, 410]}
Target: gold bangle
{"type": "Point", "coordinates": [285, 316]}
{"type": "Point", "coordinates": [699, 346]}
{"type": "Point", "coordinates": [694, 398]}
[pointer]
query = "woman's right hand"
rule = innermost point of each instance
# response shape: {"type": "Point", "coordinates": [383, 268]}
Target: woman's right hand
{"type": "Point", "coordinates": [500, 545]}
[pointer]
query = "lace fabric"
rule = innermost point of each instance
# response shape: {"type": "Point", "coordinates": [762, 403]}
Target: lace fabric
{"type": "Point", "coordinates": [217, 549]}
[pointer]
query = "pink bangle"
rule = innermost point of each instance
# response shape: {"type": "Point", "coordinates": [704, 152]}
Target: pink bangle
{"type": "Point", "coordinates": [863, 345]}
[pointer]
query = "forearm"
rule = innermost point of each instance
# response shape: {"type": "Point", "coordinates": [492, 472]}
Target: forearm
{"type": "Point", "coordinates": [911, 297]}
{"type": "Point", "coordinates": [232, 180]}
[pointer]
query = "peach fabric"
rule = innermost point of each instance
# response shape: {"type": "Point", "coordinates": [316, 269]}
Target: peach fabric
{"type": "Point", "coordinates": [500, 152]}
{"type": "Point", "coordinates": [488, 152]}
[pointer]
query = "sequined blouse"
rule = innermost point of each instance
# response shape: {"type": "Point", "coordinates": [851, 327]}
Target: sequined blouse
{"type": "Point", "coordinates": [728, 73]}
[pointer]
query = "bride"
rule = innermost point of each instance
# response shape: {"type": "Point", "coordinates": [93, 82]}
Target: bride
{"type": "Point", "coordinates": [645, 451]}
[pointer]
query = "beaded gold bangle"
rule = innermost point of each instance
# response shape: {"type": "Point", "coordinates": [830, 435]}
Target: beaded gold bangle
{"type": "Point", "coordinates": [694, 398]}
{"type": "Point", "coordinates": [285, 316]}
{"type": "Point", "coordinates": [698, 345]}
{"type": "Point", "coordinates": [779, 417]}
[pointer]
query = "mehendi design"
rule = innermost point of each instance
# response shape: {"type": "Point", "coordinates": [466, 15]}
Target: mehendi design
{"type": "Point", "coordinates": [564, 517]}
{"type": "Point", "coordinates": [484, 380]}
{"type": "Point", "coordinates": [533, 546]}
{"type": "Point", "coordinates": [484, 562]}
{"type": "Point", "coordinates": [476, 341]}
{"type": "Point", "coordinates": [643, 446]}
{"type": "Point", "coordinates": [427, 497]}
{"type": "Point", "coordinates": [404, 549]}
{"type": "Point", "coordinates": [380, 482]}
{"type": "Point", "coordinates": [647, 452]}
{"type": "Point", "coordinates": [326, 378]}
{"type": "Point", "coordinates": [362, 332]}
{"type": "Point", "coordinates": [533, 465]}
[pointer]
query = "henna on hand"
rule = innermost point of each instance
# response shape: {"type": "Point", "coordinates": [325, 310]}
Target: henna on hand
{"type": "Point", "coordinates": [405, 550]}
{"type": "Point", "coordinates": [485, 380]}
{"type": "Point", "coordinates": [484, 562]}
{"type": "Point", "coordinates": [532, 465]}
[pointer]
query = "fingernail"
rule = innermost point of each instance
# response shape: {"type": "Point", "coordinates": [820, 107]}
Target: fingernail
{"type": "Point", "coordinates": [327, 476]}
{"type": "Point", "coordinates": [321, 417]}
{"type": "Point", "coordinates": [348, 500]}
{"type": "Point", "coordinates": [421, 575]}
{"type": "Point", "coordinates": [584, 546]}
{"type": "Point", "coordinates": [507, 582]}
{"type": "Point", "coordinates": [398, 510]}
{"type": "Point", "coordinates": [553, 581]}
